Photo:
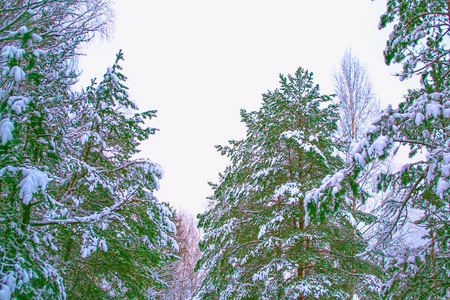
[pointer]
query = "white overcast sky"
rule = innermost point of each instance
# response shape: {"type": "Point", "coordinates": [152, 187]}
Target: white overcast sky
{"type": "Point", "coordinates": [198, 62]}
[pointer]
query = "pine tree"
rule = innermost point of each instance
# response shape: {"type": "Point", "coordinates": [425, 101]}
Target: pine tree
{"type": "Point", "coordinates": [258, 243]}
{"type": "Point", "coordinates": [418, 189]}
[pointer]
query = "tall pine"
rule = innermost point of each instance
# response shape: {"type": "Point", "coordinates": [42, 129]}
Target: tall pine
{"type": "Point", "coordinates": [258, 243]}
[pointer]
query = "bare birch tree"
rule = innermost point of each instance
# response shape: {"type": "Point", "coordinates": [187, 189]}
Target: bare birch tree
{"type": "Point", "coordinates": [357, 98]}
{"type": "Point", "coordinates": [358, 106]}
{"type": "Point", "coordinates": [181, 278]}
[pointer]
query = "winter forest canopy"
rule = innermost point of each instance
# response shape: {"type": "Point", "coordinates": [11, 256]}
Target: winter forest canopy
{"type": "Point", "coordinates": [317, 201]}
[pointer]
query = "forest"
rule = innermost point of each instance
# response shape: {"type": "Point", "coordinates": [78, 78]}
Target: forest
{"type": "Point", "coordinates": [317, 201]}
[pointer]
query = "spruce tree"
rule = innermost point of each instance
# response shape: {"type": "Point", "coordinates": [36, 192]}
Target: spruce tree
{"type": "Point", "coordinates": [104, 186]}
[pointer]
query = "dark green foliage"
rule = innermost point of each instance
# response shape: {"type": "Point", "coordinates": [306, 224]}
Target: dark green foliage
{"type": "Point", "coordinates": [413, 217]}
{"type": "Point", "coordinates": [77, 211]}
{"type": "Point", "coordinates": [258, 244]}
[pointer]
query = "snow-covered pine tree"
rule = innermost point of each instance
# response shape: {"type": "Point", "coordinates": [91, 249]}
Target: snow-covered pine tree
{"type": "Point", "coordinates": [257, 244]}
{"type": "Point", "coordinates": [40, 161]}
{"type": "Point", "coordinates": [418, 189]}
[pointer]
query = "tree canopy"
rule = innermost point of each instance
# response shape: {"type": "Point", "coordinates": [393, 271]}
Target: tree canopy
{"type": "Point", "coordinates": [78, 215]}
{"type": "Point", "coordinates": [418, 189]}
{"type": "Point", "coordinates": [256, 242]}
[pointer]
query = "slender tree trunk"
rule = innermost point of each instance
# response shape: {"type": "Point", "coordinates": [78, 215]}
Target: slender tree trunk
{"type": "Point", "coordinates": [448, 12]}
{"type": "Point", "coordinates": [26, 216]}
{"type": "Point", "coordinates": [352, 282]}
{"type": "Point", "coordinates": [434, 265]}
